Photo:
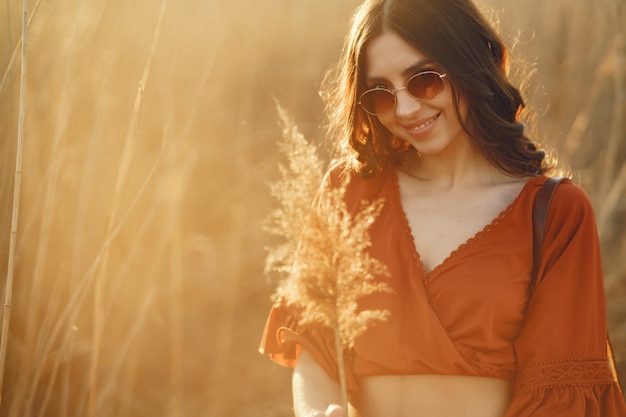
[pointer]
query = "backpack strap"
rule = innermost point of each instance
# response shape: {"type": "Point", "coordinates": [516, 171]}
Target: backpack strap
{"type": "Point", "coordinates": [541, 206]}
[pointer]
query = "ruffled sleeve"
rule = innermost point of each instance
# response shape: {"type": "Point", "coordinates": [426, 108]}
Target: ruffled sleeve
{"type": "Point", "coordinates": [561, 350]}
{"type": "Point", "coordinates": [284, 336]}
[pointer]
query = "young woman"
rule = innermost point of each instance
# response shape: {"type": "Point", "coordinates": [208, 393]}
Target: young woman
{"type": "Point", "coordinates": [427, 120]}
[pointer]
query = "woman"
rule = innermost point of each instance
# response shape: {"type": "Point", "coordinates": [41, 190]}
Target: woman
{"type": "Point", "coordinates": [428, 121]}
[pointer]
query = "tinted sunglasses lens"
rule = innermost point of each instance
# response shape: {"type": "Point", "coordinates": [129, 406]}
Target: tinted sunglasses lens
{"type": "Point", "coordinates": [378, 101]}
{"type": "Point", "coordinates": [425, 85]}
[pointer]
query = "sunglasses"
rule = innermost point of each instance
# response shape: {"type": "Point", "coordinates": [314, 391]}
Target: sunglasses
{"type": "Point", "coordinates": [422, 86]}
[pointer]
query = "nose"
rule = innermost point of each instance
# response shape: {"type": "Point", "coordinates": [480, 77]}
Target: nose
{"type": "Point", "coordinates": [406, 104]}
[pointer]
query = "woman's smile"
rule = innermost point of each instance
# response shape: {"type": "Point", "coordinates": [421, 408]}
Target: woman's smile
{"type": "Point", "coordinates": [422, 127]}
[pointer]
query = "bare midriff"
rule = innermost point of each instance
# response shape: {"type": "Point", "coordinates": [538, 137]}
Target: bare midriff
{"type": "Point", "coordinates": [431, 396]}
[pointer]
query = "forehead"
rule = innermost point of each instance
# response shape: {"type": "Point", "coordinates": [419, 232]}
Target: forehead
{"type": "Point", "coordinates": [388, 55]}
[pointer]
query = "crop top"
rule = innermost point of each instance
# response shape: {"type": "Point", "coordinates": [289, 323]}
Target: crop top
{"type": "Point", "coordinates": [473, 314]}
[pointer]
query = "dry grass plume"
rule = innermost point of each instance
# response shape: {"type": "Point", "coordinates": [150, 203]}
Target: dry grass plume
{"type": "Point", "coordinates": [325, 265]}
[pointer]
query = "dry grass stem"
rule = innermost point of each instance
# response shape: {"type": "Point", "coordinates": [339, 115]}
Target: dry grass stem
{"type": "Point", "coordinates": [20, 45]}
{"type": "Point", "coordinates": [17, 190]}
{"type": "Point", "coordinates": [68, 314]}
{"type": "Point", "coordinates": [122, 176]}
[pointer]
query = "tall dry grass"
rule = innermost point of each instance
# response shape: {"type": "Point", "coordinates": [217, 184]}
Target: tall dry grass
{"type": "Point", "coordinates": [143, 294]}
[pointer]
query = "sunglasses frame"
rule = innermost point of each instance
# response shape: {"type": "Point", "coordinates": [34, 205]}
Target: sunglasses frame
{"type": "Point", "coordinates": [405, 87]}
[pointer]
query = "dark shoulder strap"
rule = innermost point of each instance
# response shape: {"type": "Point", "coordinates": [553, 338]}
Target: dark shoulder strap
{"type": "Point", "coordinates": [540, 214]}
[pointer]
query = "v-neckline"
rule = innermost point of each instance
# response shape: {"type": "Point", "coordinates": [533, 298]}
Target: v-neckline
{"type": "Point", "coordinates": [486, 230]}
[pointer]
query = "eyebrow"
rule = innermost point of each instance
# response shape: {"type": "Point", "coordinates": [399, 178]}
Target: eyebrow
{"type": "Point", "coordinates": [416, 67]}
{"type": "Point", "coordinates": [408, 71]}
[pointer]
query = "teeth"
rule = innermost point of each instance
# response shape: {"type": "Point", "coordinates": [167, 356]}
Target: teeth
{"type": "Point", "coordinates": [423, 125]}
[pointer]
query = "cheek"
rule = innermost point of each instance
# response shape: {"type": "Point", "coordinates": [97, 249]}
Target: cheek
{"type": "Point", "coordinates": [384, 120]}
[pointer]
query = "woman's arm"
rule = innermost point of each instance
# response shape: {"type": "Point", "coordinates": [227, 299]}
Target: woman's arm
{"type": "Point", "coordinates": [315, 394]}
{"type": "Point", "coordinates": [562, 365]}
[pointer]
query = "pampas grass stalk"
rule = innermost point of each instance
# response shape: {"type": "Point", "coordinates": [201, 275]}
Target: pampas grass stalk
{"type": "Point", "coordinates": [333, 270]}
{"type": "Point", "coordinates": [295, 191]}
{"type": "Point", "coordinates": [35, 334]}
{"type": "Point", "coordinates": [20, 45]}
{"type": "Point", "coordinates": [8, 294]}
{"type": "Point", "coordinates": [325, 263]}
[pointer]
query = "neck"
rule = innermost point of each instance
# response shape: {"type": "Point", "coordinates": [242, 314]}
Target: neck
{"type": "Point", "coordinates": [448, 171]}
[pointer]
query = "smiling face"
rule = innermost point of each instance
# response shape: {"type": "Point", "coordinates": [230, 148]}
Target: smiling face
{"type": "Point", "coordinates": [431, 126]}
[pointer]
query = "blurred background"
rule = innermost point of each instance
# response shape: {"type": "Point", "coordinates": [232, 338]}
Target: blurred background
{"type": "Point", "coordinates": [149, 143]}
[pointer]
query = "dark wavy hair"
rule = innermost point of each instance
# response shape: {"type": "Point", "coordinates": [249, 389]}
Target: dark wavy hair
{"type": "Point", "coordinates": [463, 44]}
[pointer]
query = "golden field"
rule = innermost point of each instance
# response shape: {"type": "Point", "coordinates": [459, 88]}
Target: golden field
{"type": "Point", "coordinates": [149, 141]}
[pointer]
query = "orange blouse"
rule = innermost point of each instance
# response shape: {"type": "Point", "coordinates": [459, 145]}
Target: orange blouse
{"type": "Point", "coordinates": [473, 315]}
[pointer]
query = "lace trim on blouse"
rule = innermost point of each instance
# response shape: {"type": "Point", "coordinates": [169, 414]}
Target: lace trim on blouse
{"type": "Point", "coordinates": [545, 375]}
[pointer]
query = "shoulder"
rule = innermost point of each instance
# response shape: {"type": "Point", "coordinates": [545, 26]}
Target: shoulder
{"type": "Point", "coordinates": [357, 188]}
{"type": "Point", "coordinates": [570, 209]}
{"type": "Point", "coordinates": [569, 197]}
{"type": "Point", "coordinates": [340, 173]}
{"type": "Point", "coordinates": [567, 193]}
{"type": "Point", "coordinates": [336, 174]}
